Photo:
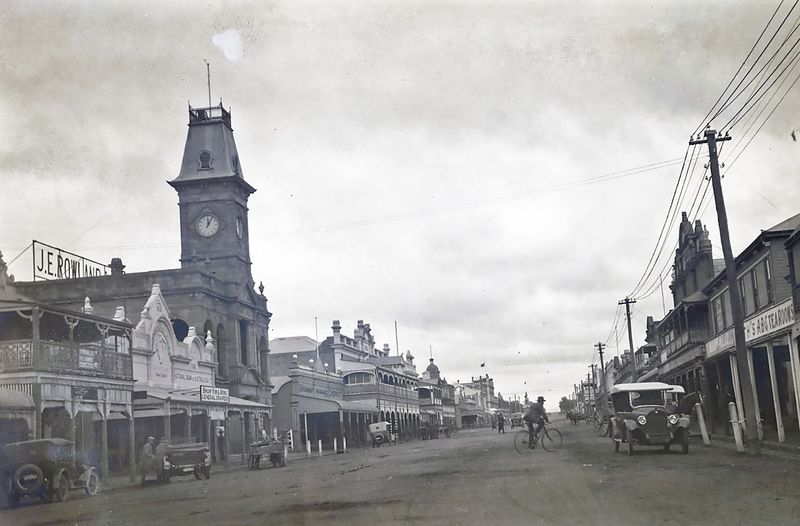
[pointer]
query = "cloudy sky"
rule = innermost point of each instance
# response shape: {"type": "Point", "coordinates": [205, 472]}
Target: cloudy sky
{"type": "Point", "coordinates": [414, 160]}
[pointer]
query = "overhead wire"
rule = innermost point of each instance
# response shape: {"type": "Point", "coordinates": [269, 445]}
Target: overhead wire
{"type": "Point", "coordinates": [703, 122]}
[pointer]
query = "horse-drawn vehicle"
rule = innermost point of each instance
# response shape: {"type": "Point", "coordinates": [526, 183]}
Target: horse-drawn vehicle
{"type": "Point", "coordinates": [44, 468]}
{"type": "Point", "coordinates": [268, 449]}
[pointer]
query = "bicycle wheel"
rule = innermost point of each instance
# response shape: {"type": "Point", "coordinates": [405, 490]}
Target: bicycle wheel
{"type": "Point", "coordinates": [551, 439]}
{"type": "Point", "coordinates": [522, 442]}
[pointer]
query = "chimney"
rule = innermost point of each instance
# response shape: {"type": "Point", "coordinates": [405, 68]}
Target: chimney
{"type": "Point", "coordinates": [386, 349]}
{"type": "Point", "coordinates": [117, 268]}
{"type": "Point", "coordinates": [337, 332]}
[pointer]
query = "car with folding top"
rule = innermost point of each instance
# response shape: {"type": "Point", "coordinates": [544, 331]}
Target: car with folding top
{"type": "Point", "coordinates": [643, 417]}
{"type": "Point", "coordinates": [44, 468]}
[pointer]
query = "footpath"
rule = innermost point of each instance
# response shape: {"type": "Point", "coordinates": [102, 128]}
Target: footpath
{"type": "Point", "coordinates": [121, 481]}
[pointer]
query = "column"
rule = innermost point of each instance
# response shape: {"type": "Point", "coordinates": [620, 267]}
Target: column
{"type": "Point", "coordinates": [227, 439]}
{"type": "Point", "coordinates": [104, 440]}
{"type": "Point", "coordinates": [795, 368]}
{"type": "Point", "coordinates": [341, 425]}
{"type": "Point", "coordinates": [167, 418]}
{"type": "Point", "coordinates": [72, 416]}
{"type": "Point", "coordinates": [757, 422]}
{"type": "Point", "coordinates": [776, 402]}
{"type": "Point", "coordinates": [737, 391]}
{"type": "Point", "coordinates": [242, 417]}
{"type": "Point", "coordinates": [187, 428]}
{"type": "Point", "coordinates": [131, 444]}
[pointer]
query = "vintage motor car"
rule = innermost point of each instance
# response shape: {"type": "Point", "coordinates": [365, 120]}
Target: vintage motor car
{"type": "Point", "coordinates": [186, 459]}
{"type": "Point", "coordinates": [44, 468]}
{"type": "Point", "coordinates": [642, 417]}
{"type": "Point", "coordinates": [516, 420]}
{"type": "Point", "coordinates": [381, 434]}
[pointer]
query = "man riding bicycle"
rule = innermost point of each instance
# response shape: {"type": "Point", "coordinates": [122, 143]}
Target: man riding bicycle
{"type": "Point", "coordinates": [536, 415]}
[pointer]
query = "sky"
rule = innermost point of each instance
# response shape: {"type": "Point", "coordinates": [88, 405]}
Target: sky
{"type": "Point", "coordinates": [414, 161]}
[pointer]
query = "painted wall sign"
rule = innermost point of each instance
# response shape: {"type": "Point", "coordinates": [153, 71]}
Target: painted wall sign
{"type": "Point", "coordinates": [84, 393]}
{"type": "Point", "coordinates": [217, 395]}
{"type": "Point", "coordinates": [50, 263]}
{"type": "Point", "coordinates": [770, 321]}
{"type": "Point", "coordinates": [720, 343]}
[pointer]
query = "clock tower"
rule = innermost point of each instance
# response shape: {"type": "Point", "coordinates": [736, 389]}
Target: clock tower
{"type": "Point", "coordinates": [212, 195]}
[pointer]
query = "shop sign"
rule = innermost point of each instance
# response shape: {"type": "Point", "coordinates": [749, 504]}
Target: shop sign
{"type": "Point", "coordinates": [720, 343]}
{"type": "Point", "coordinates": [218, 395]}
{"type": "Point", "coordinates": [770, 321]}
{"type": "Point", "coordinates": [54, 263]}
{"type": "Point", "coordinates": [84, 393]}
{"type": "Point", "coordinates": [189, 379]}
{"type": "Point", "coordinates": [320, 389]}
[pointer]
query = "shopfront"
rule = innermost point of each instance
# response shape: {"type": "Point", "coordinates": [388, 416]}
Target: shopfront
{"type": "Point", "coordinates": [772, 363]}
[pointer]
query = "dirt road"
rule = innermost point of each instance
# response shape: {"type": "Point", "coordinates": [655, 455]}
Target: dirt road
{"type": "Point", "coordinates": [475, 477]}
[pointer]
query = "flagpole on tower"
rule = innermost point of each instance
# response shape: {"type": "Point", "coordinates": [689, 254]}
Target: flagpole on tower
{"type": "Point", "coordinates": [208, 77]}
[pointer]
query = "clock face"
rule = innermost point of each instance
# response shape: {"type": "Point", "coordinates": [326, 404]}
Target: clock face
{"type": "Point", "coordinates": [239, 227]}
{"type": "Point", "coordinates": [207, 225]}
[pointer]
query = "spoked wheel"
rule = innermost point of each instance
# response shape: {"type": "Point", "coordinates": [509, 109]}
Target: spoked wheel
{"type": "Point", "coordinates": [92, 484]}
{"type": "Point", "coordinates": [59, 494]}
{"type": "Point", "coordinates": [522, 442]}
{"type": "Point", "coordinates": [551, 439]}
{"type": "Point", "coordinates": [602, 428]}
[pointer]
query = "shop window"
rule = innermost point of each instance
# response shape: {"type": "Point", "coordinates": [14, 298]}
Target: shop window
{"type": "Point", "coordinates": [754, 286]}
{"type": "Point", "coordinates": [768, 282]}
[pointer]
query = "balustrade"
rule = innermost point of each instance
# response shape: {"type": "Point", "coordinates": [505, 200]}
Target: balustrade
{"type": "Point", "coordinates": [89, 359]}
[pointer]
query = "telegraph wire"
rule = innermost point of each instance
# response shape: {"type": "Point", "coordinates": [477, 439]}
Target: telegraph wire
{"type": "Point", "coordinates": [728, 101]}
{"type": "Point", "coordinates": [741, 66]}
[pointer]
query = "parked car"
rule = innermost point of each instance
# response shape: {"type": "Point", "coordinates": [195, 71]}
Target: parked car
{"type": "Point", "coordinates": [44, 468]}
{"type": "Point", "coordinates": [643, 417]}
{"type": "Point", "coordinates": [186, 459]}
{"type": "Point", "coordinates": [381, 434]}
{"type": "Point", "coordinates": [516, 420]}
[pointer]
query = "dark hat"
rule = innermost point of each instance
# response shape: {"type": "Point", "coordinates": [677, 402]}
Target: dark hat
{"type": "Point", "coordinates": [541, 399]}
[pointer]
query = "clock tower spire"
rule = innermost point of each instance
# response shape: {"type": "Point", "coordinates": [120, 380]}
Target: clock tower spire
{"type": "Point", "coordinates": [212, 197]}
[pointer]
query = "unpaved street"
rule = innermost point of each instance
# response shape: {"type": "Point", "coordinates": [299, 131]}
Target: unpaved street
{"type": "Point", "coordinates": [475, 477]}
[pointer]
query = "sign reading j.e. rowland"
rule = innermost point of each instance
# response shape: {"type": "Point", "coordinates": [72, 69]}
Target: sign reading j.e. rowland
{"type": "Point", "coordinates": [214, 394]}
{"type": "Point", "coordinates": [53, 263]}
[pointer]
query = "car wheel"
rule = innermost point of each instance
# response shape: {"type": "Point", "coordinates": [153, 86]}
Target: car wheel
{"type": "Point", "coordinates": [59, 494]}
{"type": "Point", "coordinates": [629, 437]}
{"type": "Point", "coordinates": [28, 479]}
{"type": "Point", "coordinates": [685, 442]}
{"type": "Point", "coordinates": [92, 483]}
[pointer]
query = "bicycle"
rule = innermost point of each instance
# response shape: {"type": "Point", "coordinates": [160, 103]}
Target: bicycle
{"type": "Point", "coordinates": [549, 437]}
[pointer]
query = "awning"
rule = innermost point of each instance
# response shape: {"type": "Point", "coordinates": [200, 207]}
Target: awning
{"type": "Point", "coordinates": [12, 399]}
{"type": "Point", "coordinates": [192, 397]}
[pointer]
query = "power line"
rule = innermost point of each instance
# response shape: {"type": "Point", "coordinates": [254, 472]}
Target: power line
{"type": "Point", "coordinates": [703, 122]}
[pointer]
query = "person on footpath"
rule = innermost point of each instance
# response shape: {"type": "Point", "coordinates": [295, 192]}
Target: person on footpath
{"type": "Point", "coordinates": [501, 424]}
{"type": "Point", "coordinates": [147, 458]}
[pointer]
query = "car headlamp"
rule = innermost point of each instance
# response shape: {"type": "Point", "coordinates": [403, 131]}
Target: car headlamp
{"type": "Point", "coordinates": [642, 420]}
{"type": "Point", "coordinates": [673, 419]}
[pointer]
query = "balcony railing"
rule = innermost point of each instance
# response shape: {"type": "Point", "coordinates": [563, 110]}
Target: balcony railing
{"type": "Point", "coordinates": [692, 336]}
{"type": "Point", "coordinates": [64, 357]}
{"type": "Point", "coordinates": [386, 391]}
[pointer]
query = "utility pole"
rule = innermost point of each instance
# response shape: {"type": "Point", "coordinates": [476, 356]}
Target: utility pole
{"type": "Point", "coordinates": [751, 426]}
{"type": "Point", "coordinates": [627, 301]}
{"type": "Point", "coordinates": [600, 347]}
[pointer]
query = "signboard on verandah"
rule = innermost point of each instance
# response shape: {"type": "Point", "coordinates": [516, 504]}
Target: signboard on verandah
{"type": "Point", "coordinates": [51, 263]}
{"type": "Point", "coordinates": [218, 395]}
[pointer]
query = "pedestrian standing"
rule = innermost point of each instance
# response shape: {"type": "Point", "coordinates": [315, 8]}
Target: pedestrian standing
{"type": "Point", "coordinates": [147, 458]}
{"type": "Point", "coordinates": [501, 424]}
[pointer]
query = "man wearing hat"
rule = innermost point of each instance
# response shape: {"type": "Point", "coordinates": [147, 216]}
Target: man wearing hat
{"type": "Point", "coordinates": [148, 458]}
{"type": "Point", "coordinates": [536, 415]}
